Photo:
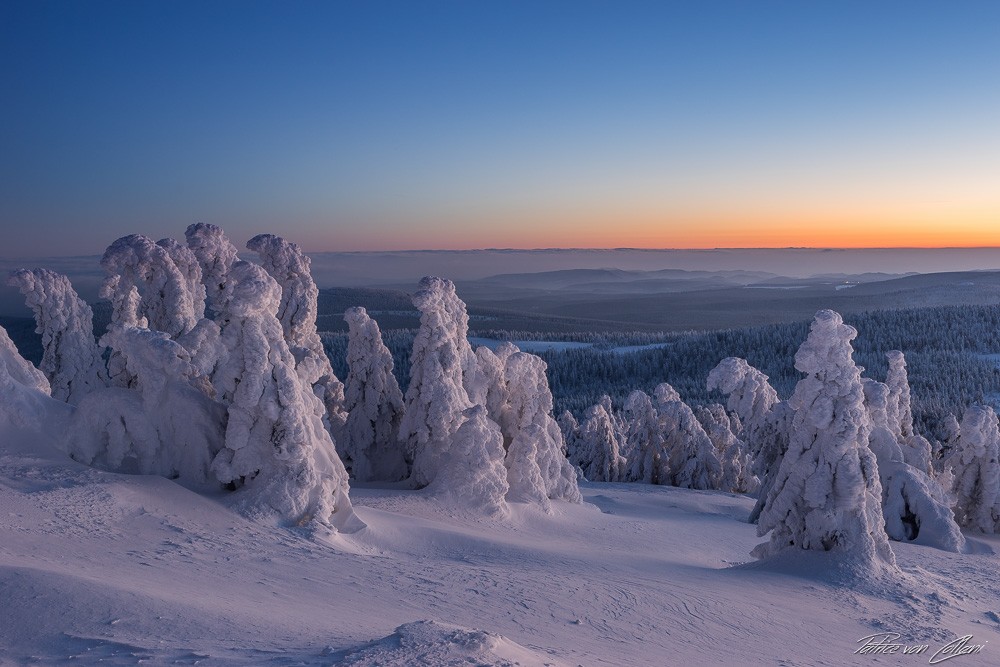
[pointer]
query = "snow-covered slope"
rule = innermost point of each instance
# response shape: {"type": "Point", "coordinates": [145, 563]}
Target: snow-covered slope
{"type": "Point", "coordinates": [118, 569]}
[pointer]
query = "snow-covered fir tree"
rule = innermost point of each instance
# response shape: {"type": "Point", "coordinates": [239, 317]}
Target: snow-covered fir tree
{"type": "Point", "coordinates": [374, 404]}
{"type": "Point", "coordinates": [692, 461]}
{"type": "Point", "coordinates": [276, 446]}
{"type": "Point", "coordinates": [436, 397]}
{"type": "Point", "coordinates": [737, 476]}
{"type": "Point", "coordinates": [766, 419]}
{"type": "Point", "coordinates": [645, 452]}
{"type": "Point", "coordinates": [915, 507]}
{"type": "Point", "coordinates": [472, 475]}
{"type": "Point", "coordinates": [71, 359]}
{"type": "Point", "coordinates": [975, 463]}
{"type": "Point", "coordinates": [597, 449]}
{"type": "Point", "coordinates": [535, 438]}
{"type": "Point", "coordinates": [297, 311]}
{"type": "Point", "coordinates": [826, 494]}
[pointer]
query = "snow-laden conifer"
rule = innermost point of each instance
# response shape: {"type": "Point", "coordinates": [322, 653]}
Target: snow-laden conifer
{"type": "Point", "coordinates": [166, 424]}
{"type": "Point", "coordinates": [826, 494]}
{"type": "Point", "coordinates": [597, 450]}
{"type": "Point", "coordinates": [374, 404]}
{"type": "Point", "coordinates": [71, 358]}
{"type": "Point", "coordinates": [645, 452]}
{"type": "Point", "coordinates": [975, 462]}
{"type": "Point", "coordinates": [692, 461]}
{"type": "Point", "coordinates": [436, 397]}
{"type": "Point", "coordinates": [216, 255]}
{"type": "Point", "coordinates": [277, 449]}
{"type": "Point", "coordinates": [473, 475]}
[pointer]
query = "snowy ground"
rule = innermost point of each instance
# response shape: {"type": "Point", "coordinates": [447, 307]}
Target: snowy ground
{"type": "Point", "coordinates": [96, 567]}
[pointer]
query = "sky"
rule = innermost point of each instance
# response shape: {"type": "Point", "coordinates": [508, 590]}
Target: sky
{"type": "Point", "coordinates": [472, 124]}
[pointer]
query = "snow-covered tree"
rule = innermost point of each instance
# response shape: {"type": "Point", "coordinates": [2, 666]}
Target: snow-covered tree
{"type": "Point", "coordinates": [766, 419]}
{"type": "Point", "coordinates": [692, 461]}
{"type": "Point", "coordinates": [18, 369]}
{"type": "Point", "coordinates": [737, 476]}
{"type": "Point", "coordinates": [975, 463]}
{"type": "Point", "coordinates": [645, 452]}
{"type": "Point", "coordinates": [490, 387]}
{"type": "Point", "coordinates": [436, 398]}
{"type": "Point", "coordinates": [598, 450]}
{"type": "Point", "coordinates": [915, 507]}
{"type": "Point", "coordinates": [374, 404]}
{"type": "Point", "coordinates": [535, 438]}
{"type": "Point", "coordinates": [167, 424]}
{"type": "Point", "coordinates": [215, 254]}
{"type": "Point", "coordinates": [71, 360]}
{"type": "Point", "coordinates": [570, 429]}
{"type": "Point", "coordinates": [473, 475]}
{"type": "Point", "coordinates": [276, 446]}
{"type": "Point", "coordinates": [297, 311]}
{"type": "Point", "coordinates": [165, 298]}
{"type": "Point", "coordinates": [186, 262]}
{"type": "Point", "coordinates": [916, 449]}
{"type": "Point", "coordinates": [826, 494]}
{"type": "Point", "coordinates": [25, 404]}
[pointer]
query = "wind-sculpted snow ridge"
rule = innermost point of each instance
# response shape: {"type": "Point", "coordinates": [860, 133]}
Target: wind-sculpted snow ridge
{"type": "Point", "coordinates": [437, 644]}
{"type": "Point", "coordinates": [976, 466]}
{"type": "Point", "coordinates": [597, 449]}
{"type": "Point", "coordinates": [297, 311]}
{"type": "Point", "coordinates": [374, 404]}
{"type": "Point", "coordinates": [166, 301]}
{"type": "Point", "coordinates": [693, 463]}
{"type": "Point", "coordinates": [71, 360]}
{"type": "Point", "coordinates": [277, 449]}
{"type": "Point", "coordinates": [167, 424]}
{"type": "Point", "coordinates": [826, 495]}
{"type": "Point", "coordinates": [914, 506]}
{"type": "Point", "coordinates": [215, 255]}
{"type": "Point", "coordinates": [535, 456]}
{"type": "Point", "coordinates": [436, 398]}
{"type": "Point", "coordinates": [473, 475]}
{"type": "Point", "coordinates": [766, 419]}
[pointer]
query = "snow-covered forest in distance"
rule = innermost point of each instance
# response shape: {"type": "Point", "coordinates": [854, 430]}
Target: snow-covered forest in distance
{"type": "Point", "coordinates": [609, 504]}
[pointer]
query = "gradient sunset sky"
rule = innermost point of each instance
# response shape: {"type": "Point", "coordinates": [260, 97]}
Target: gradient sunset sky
{"type": "Point", "coordinates": [470, 124]}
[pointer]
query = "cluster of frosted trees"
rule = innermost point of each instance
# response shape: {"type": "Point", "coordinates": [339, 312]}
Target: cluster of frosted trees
{"type": "Point", "coordinates": [212, 373]}
{"type": "Point", "coordinates": [837, 466]}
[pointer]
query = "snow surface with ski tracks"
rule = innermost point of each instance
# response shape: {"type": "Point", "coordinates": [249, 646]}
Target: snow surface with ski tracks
{"type": "Point", "coordinates": [116, 569]}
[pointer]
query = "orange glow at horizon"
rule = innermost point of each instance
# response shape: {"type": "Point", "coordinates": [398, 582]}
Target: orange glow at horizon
{"type": "Point", "coordinates": [835, 229]}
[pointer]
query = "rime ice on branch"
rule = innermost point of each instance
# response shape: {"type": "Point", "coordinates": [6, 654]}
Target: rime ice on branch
{"type": "Point", "coordinates": [297, 311]}
{"type": "Point", "coordinates": [373, 402]}
{"type": "Point", "coordinates": [826, 494]}
{"type": "Point", "coordinates": [436, 398]}
{"type": "Point", "coordinates": [276, 446]}
{"type": "Point", "coordinates": [71, 360]}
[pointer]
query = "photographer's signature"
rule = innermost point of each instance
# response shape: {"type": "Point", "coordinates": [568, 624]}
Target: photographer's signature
{"type": "Point", "coordinates": [887, 643]}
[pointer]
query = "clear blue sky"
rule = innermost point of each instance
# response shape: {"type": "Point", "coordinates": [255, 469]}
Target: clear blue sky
{"type": "Point", "coordinates": [371, 125]}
